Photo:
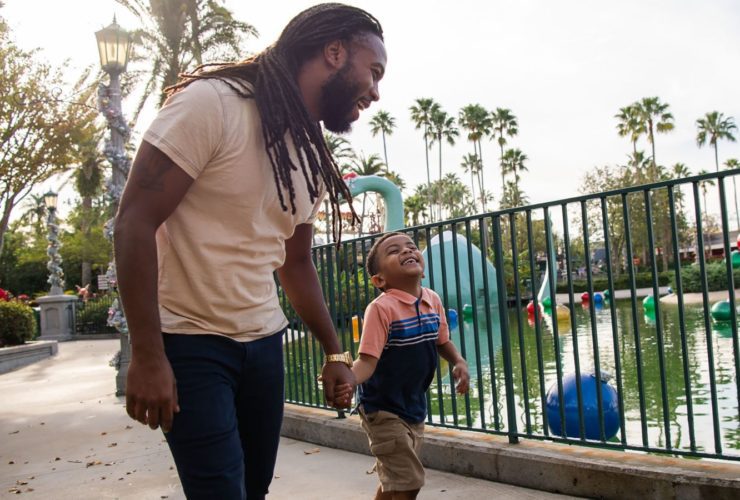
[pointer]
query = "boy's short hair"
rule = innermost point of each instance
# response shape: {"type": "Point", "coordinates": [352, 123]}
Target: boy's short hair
{"type": "Point", "coordinates": [372, 257]}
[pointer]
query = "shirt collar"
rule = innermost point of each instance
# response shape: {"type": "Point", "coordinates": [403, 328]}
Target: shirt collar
{"type": "Point", "coordinates": [407, 298]}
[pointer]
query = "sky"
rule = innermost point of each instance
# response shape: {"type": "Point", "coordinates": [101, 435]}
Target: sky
{"type": "Point", "coordinates": [564, 68]}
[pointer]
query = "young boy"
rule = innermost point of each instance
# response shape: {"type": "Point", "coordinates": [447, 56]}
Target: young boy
{"type": "Point", "coordinates": [404, 329]}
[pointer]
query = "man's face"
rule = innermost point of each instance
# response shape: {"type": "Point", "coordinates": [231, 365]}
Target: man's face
{"type": "Point", "coordinates": [355, 85]}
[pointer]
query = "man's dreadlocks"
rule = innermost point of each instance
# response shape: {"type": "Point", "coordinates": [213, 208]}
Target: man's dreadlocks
{"type": "Point", "coordinates": [270, 79]}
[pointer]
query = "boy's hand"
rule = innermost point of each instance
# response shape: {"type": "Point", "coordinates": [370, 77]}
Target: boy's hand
{"type": "Point", "coordinates": [343, 396]}
{"type": "Point", "coordinates": [461, 376]}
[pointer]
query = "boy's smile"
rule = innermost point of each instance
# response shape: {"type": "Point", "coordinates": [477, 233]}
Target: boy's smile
{"type": "Point", "coordinates": [400, 264]}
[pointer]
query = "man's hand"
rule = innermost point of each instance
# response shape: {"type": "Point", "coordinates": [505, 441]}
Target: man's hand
{"type": "Point", "coordinates": [334, 375]}
{"type": "Point", "coordinates": [461, 376]}
{"type": "Point", "coordinates": [151, 392]}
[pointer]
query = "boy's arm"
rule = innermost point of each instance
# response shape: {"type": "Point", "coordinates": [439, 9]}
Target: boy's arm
{"type": "Point", "coordinates": [460, 367]}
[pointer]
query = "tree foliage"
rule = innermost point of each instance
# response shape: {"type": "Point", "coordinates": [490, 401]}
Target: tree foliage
{"type": "Point", "coordinates": [42, 122]}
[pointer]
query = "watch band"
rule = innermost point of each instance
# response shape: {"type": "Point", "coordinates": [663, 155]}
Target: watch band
{"type": "Point", "coordinates": [344, 357]}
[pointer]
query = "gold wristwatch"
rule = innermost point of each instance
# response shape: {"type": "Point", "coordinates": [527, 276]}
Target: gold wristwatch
{"type": "Point", "coordinates": [345, 358]}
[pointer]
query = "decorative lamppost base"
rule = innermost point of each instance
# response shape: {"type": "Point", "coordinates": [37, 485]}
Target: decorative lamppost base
{"type": "Point", "coordinates": [57, 317]}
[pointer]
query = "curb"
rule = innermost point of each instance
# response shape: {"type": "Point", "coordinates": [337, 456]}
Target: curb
{"type": "Point", "coordinates": [545, 466]}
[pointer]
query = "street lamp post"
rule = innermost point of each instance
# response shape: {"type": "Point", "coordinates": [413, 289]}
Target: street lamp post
{"type": "Point", "coordinates": [56, 275]}
{"type": "Point", "coordinates": [114, 46]}
{"type": "Point", "coordinates": [57, 309]}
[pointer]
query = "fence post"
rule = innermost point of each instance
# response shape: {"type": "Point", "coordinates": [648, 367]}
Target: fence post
{"type": "Point", "coordinates": [505, 338]}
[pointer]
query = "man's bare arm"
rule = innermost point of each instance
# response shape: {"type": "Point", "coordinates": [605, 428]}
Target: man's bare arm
{"type": "Point", "coordinates": [301, 283]}
{"type": "Point", "coordinates": [155, 187]}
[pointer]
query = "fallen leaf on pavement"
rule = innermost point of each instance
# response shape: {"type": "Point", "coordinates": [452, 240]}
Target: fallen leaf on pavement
{"type": "Point", "coordinates": [112, 445]}
{"type": "Point", "coordinates": [94, 462]}
{"type": "Point", "coordinates": [103, 433]}
{"type": "Point", "coordinates": [311, 451]}
{"type": "Point", "coordinates": [10, 462]}
{"type": "Point", "coordinates": [14, 432]}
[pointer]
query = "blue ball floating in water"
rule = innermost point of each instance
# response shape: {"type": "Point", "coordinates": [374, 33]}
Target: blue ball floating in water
{"type": "Point", "coordinates": [451, 319]}
{"type": "Point", "coordinates": [610, 407]}
{"type": "Point", "coordinates": [598, 298]}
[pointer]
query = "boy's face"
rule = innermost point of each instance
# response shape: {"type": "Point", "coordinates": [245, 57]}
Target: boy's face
{"type": "Point", "coordinates": [399, 263]}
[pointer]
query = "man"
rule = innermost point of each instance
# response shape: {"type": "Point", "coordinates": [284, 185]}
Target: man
{"type": "Point", "coordinates": [223, 192]}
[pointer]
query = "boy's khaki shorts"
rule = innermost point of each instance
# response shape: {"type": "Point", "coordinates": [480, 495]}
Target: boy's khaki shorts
{"type": "Point", "coordinates": [396, 445]}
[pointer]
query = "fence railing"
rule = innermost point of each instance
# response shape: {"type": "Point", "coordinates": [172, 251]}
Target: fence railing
{"type": "Point", "coordinates": [627, 367]}
{"type": "Point", "coordinates": [91, 316]}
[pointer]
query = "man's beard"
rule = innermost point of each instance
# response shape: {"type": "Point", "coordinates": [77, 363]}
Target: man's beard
{"type": "Point", "coordinates": [338, 100]}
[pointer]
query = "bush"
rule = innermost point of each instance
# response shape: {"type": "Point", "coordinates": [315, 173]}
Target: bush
{"type": "Point", "coordinates": [17, 323]}
{"type": "Point", "coordinates": [621, 282]}
{"type": "Point", "coordinates": [716, 277]}
{"type": "Point", "coordinates": [92, 316]}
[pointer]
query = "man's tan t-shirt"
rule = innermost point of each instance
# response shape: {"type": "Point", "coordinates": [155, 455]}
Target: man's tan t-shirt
{"type": "Point", "coordinates": [217, 252]}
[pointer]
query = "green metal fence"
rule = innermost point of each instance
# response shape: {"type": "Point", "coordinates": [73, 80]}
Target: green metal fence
{"type": "Point", "coordinates": [673, 370]}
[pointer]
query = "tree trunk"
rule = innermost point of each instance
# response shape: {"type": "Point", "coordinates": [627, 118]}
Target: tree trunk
{"type": "Point", "coordinates": [482, 188]}
{"type": "Point", "coordinates": [429, 179]}
{"type": "Point", "coordinates": [716, 157]}
{"type": "Point", "coordinates": [385, 152]}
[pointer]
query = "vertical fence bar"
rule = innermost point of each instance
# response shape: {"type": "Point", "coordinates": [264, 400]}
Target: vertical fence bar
{"type": "Point", "coordinates": [730, 282]}
{"type": "Point", "coordinates": [476, 341]}
{"type": "Point", "coordinates": [551, 266]}
{"type": "Point", "coordinates": [635, 324]}
{"type": "Point", "coordinates": [681, 317]}
{"type": "Point", "coordinates": [658, 318]}
{"type": "Point", "coordinates": [445, 293]}
{"type": "Point", "coordinates": [487, 305]}
{"type": "Point", "coordinates": [613, 312]}
{"type": "Point", "coordinates": [505, 340]}
{"type": "Point", "coordinates": [592, 313]}
{"type": "Point", "coordinates": [573, 324]}
{"type": "Point", "coordinates": [461, 324]}
{"type": "Point", "coordinates": [537, 326]}
{"type": "Point", "coordinates": [707, 320]}
{"type": "Point", "coordinates": [520, 330]}
{"type": "Point", "coordinates": [430, 272]}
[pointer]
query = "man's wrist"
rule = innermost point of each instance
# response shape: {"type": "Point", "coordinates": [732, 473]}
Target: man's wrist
{"type": "Point", "coordinates": [345, 358]}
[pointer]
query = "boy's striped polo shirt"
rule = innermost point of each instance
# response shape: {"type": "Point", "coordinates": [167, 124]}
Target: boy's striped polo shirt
{"type": "Point", "coordinates": [403, 332]}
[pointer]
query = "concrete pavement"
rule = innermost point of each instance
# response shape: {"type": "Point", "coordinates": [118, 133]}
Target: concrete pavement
{"type": "Point", "coordinates": [64, 434]}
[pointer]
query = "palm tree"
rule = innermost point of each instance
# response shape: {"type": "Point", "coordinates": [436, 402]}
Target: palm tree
{"type": "Point", "coordinates": [415, 207]}
{"type": "Point", "coordinates": [714, 126]}
{"type": "Point", "coordinates": [472, 164]}
{"type": "Point", "coordinates": [384, 123]}
{"type": "Point", "coordinates": [442, 127]}
{"type": "Point", "coordinates": [504, 124]}
{"type": "Point", "coordinates": [341, 150]}
{"type": "Point", "coordinates": [655, 118]}
{"type": "Point", "coordinates": [179, 35]}
{"type": "Point", "coordinates": [630, 124]}
{"type": "Point", "coordinates": [732, 164]}
{"type": "Point", "coordinates": [395, 178]}
{"type": "Point", "coordinates": [421, 115]}
{"type": "Point", "coordinates": [366, 165]}
{"type": "Point", "coordinates": [88, 181]}
{"type": "Point", "coordinates": [477, 122]}
{"type": "Point", "coordinates": [513, 163]}
{"type": "Point", "coordinates": [512, 196]}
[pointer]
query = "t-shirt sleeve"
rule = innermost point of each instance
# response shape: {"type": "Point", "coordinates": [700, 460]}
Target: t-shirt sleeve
{"type": "Point", "coordinates": [189, 127]}
{"type": "Point", "coordinates": [443, 336]}
{"type": "Point", "coordinates": [374, 331]}
{"type": "Point", "coordinates": [317, 205]}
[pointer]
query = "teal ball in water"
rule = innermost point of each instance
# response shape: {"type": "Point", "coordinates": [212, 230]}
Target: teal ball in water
{"type": "Point", "coordinates": [589, 396]}
{"type": "Point", "coordinates": [607, 295]}
{"type": "Point", "coordinates": [722, 311]}
{"type": "Point", "coordinates": [648, 303]}
{"type": "Point", "coordinates": [735, 258]}
{"type": "Point", "coordinates": [467, 311]}
{"type": "Point", "coordinates": [547, 302]}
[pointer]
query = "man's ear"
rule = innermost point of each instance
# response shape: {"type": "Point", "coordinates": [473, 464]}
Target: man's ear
{"type": "Point", "coordinates": [377, 281]}
{"type": "Point", "coordinates": [335, 54]}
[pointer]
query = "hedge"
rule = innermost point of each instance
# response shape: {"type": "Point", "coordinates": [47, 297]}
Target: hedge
{"type": "Point", "coordinates": [17, 323]}
{"type": "Point", "coordinates": [716, 277]}
{"type": "Point", "coordinates": [621, 282]}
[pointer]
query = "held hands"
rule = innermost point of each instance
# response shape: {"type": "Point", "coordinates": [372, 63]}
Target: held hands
{"type": "Point", "coordinates": [461, 376]}
{"type": "Point", "coordinates": [151, 392]}
{"type": "Point", "coordinates": [339, 384]}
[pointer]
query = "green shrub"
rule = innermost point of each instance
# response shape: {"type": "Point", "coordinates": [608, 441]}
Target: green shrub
{"type": "Point", "coordinates": [92, 316]}
{"type": "Point", "coordinates": [621, 282]}
{"type": "Point", "coordinates": [716, 278]}
{"type": "Point", "coordinates": [17, 323]}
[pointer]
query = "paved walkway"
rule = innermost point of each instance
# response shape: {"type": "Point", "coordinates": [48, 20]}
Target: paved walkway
{"type": "Point", "coordinates": [64, 434]}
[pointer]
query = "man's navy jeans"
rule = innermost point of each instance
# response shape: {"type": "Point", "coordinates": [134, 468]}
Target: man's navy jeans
{"type": "Point", "coordinates": [225, 438]}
